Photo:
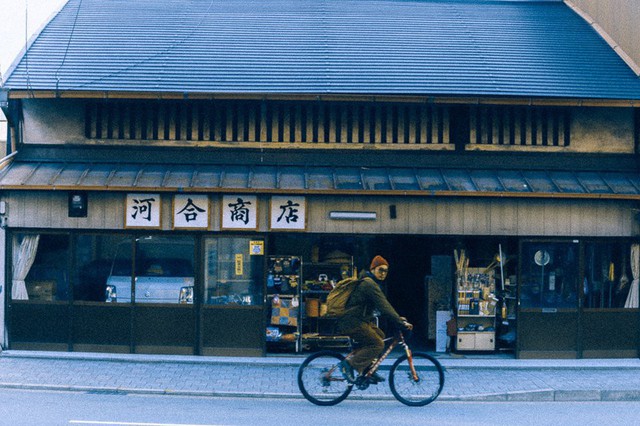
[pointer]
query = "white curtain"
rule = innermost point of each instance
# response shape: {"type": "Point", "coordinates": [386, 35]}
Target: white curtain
{"type": "Point", "coordinates": [23, 257]}
{"type": "Point", "coordinates": [632, 298]}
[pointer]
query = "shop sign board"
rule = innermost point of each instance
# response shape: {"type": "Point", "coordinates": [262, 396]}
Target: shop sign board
{"type": "Point", "coordinates": [288, 213]}
{"type": "Point", "coordinates": [142, 211]}
{"type": "Point", "coordinates": [240, 212]}
{"type": "Point", "coordinates": [191, 211]}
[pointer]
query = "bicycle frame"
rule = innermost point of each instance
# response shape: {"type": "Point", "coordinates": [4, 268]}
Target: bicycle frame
{"type": "Point", "coordinates": [396, 340]}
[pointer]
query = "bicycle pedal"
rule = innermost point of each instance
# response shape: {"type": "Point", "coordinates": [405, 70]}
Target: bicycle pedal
{"type": "Point", "coordinates": [362, 382]}
{"type": "Point", "coordinates": [375, 378]}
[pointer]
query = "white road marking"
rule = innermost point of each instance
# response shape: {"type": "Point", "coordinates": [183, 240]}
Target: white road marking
{"type": "Point", "coordinates": [98, 422]}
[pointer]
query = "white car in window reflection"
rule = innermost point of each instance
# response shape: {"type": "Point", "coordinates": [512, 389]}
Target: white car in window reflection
{"type": "Point", "coordinates": [165, 280]}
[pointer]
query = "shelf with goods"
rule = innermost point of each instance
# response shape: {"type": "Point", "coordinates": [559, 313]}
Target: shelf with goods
{"type": "Point", "coordinates": [508, 314]}
{"type": "Point", "coordinates": [319, 280]}
{"type": "Point", "coordinates": [284, 323]}
{"type": "Point", "coordinates": [475, 309]}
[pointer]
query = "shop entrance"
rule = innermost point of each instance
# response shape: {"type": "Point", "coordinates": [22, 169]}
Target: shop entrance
{"type": "Point", "coordinates": [549, 317]}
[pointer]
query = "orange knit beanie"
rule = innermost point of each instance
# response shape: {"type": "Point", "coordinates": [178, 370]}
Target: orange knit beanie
{"type": "Point", "coordinates": [378, 261]}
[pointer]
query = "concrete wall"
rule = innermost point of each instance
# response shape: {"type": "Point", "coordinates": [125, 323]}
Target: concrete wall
{"type": "Point", "coordinates": [3, 287]}
{"type": "Point", "coordinates": [604, 130]}
{"type": "Point", "coordinates": [619, 18]}
{"type": "Point", "coordinates": [3, 129]}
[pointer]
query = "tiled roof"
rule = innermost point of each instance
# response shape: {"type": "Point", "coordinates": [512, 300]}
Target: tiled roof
{"type": "Point", "coordinates": [106, 176]}
{"type": "Point", "coordinates": [422, 47]}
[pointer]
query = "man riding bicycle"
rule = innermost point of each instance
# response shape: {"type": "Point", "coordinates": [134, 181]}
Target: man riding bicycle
{"type": "Point", "coordinates": [358, 320]}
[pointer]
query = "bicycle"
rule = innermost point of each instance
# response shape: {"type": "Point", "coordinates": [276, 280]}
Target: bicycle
{"type": "Point", "coordinates": [415, 378]}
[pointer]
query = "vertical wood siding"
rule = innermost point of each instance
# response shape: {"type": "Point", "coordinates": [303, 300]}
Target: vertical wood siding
{"type": "Point", "coordinates": [509, 125]}
{"type": "Point", "coordinates": [415, 215]}
{"type": "Point", "coordinates": [269, 122]}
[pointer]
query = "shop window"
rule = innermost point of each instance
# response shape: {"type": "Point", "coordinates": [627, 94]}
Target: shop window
{"type": "Point", "coordinates": [234, 271]}
{"type": "Point", "coordinates": [608, 276]}
{"type": "Point", "coordinates": [40, 267]}
{"type": "Point", "coordinates": [163, 270]}
{"type": "Point", "coordinates": [95, 261]}
{"type": "Point", "coordinates": [549, 275]}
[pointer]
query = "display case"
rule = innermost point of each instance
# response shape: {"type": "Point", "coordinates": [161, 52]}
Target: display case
{"type": "Point", "coordinates": [283, 278]}
{"type": "Point", "coordinates": [476, 310]}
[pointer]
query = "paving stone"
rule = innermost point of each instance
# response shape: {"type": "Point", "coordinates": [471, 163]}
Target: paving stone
{"type": "Point", "coordinates": [546, 380]}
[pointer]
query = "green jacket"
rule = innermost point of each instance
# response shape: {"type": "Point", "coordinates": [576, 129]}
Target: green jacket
{"type": "Point", "coordinates": [366, 298]}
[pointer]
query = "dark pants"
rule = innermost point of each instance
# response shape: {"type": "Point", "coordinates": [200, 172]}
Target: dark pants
{"type": "Point", "coordinates": [370, 344]}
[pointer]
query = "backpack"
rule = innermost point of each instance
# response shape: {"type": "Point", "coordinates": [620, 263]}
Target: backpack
{"type": "Point", "coordinates": [338, 297]}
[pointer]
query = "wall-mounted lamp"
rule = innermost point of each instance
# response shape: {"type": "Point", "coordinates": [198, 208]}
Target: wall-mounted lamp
{"type": "Point", "coordinates": [77, 204]}
{"type": "Point", "coordinates": [353, 215]}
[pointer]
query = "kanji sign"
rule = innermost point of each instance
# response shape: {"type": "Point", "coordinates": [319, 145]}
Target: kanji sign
{"type": "Point", "coordinates": [288, 212]}
{"type": "Point", "coordinates": [239, 212]}
{"type": "Point", "coordinates": [191, 211]}
{"type": "Point", "coordinates": [142, 211]}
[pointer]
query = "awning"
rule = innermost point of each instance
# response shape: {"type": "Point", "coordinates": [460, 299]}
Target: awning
{"type": "Point", "coordinates": [92, 176]}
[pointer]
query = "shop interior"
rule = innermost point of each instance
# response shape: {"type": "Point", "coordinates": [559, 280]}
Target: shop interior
{"type": "Point", "coordinates": [420, 282]}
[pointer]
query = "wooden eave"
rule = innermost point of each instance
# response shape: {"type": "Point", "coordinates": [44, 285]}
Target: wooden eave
{"type": "Point", "coordinates": [469, 100]}
{"type": "Point", "coordinates": [341, 192]}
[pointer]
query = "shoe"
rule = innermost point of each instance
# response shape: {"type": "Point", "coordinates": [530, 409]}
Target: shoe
{"type": "Point", "coordinates": [376, 378]}
{"type": "Point", "coordinates": [347, 371]}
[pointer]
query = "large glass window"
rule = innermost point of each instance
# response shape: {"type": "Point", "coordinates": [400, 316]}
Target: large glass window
{"type": "Point", "coordinates": [40, 267]}
{"type": "Point", "coordinates": [163, 270]}
{"type": "Point", "coordinates": [549, 275]}
{"type": "Point", "coordinates": [608, 275]}
{"type": "Point", "coordinates": [96, 261]}
{"type": "Point", "coordinates": [233, 271]}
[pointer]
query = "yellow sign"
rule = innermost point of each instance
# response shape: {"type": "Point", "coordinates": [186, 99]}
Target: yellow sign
{"type": "Point", "coordinates": [256, 248]}
{"type": "Point", "coordinates": [239, 264]}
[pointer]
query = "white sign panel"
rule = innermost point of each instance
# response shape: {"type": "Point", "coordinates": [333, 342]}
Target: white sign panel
{"type": "Point", "coordinates": [239, 212]}
{"type": "Point", "coordinates": [142, 211]}
{"type": "Point", "coordinates": [288, 213]}
{"type": "Point", "coordinates": [190, 211]}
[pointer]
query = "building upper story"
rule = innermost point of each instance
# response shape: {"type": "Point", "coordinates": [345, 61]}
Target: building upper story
{"type": "Point", "coordinates": [451, 83]}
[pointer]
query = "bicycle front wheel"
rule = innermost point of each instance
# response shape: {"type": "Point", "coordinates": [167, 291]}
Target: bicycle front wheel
{"type": "Point", "coordinates": [419, 390]}
{"type": "Point", "coordinates": [320, 379]}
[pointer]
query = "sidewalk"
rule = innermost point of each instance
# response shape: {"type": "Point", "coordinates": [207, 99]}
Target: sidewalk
{"type": "Point", "coordinates": [482, 378]}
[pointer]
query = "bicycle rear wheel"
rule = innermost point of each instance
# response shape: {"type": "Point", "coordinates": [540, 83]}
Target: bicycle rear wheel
{"type": "Point", "coordinates": [418, 392]}
{"type": "Point", "coordinates": [320, 379]}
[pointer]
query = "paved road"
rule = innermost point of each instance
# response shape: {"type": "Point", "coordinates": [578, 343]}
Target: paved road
{"type": "Point", "coordinates": [50, 408]}
{"type": "Point", "coordinates": [480, 379]}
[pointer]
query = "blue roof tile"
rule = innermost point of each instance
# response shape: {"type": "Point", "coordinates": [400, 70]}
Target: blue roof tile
{"type": "Point", "coordinates": [418, 47]}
